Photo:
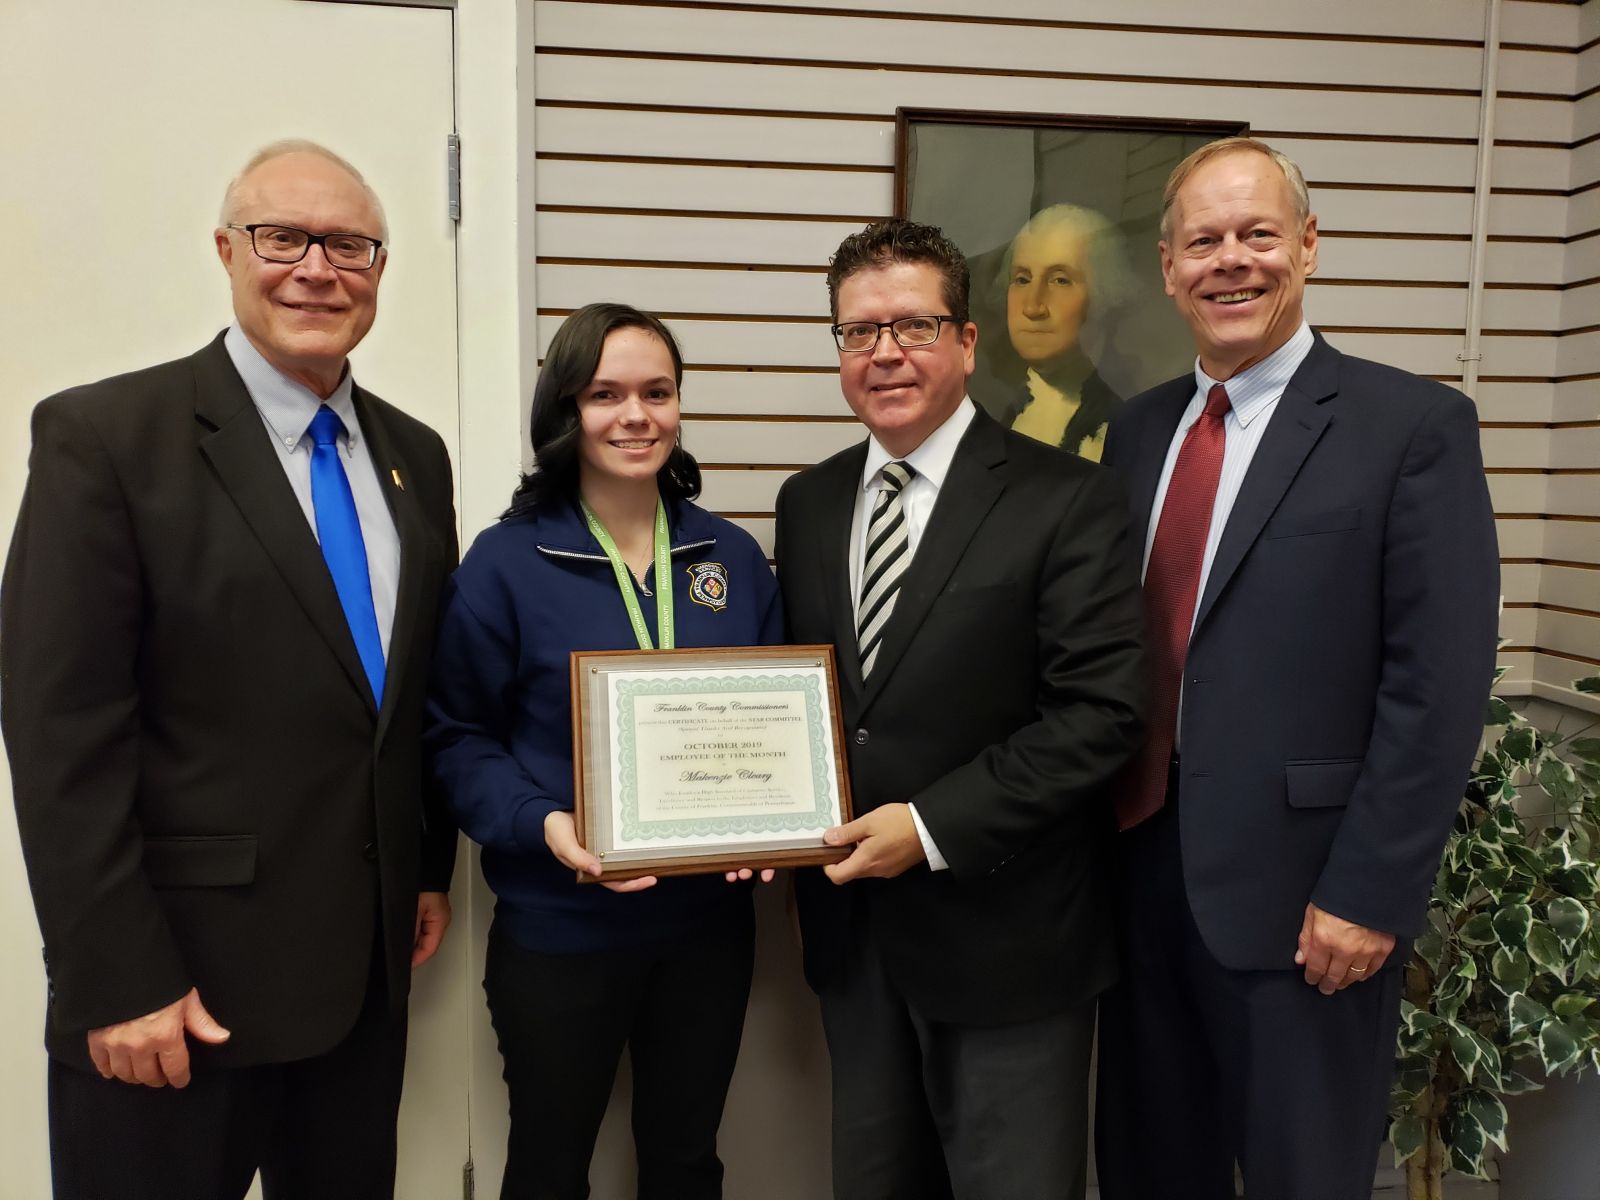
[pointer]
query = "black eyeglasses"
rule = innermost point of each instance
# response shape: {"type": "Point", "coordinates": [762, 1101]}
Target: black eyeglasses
{"type": "Point", "coordinates": [857, 337]}
{"type": "Point", "coordinates": [286, 244]}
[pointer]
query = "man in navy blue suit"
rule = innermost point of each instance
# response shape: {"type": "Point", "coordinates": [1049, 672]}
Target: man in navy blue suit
{"type": "Point", "coordinates": [1320, 578]}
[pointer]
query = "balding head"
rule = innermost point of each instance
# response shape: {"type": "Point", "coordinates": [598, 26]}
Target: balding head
{"type": "Point", "coordinates": [238, 188]}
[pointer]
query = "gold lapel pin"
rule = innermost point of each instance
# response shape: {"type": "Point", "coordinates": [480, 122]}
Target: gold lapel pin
{"type": "Point", "coordinates": [394, 473]}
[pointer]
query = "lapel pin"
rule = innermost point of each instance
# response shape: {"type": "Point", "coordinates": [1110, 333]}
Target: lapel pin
{"type": "Point", "coordinates": [394, 473]}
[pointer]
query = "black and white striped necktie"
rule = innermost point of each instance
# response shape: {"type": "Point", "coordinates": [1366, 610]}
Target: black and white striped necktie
{"type": "Point", "coordinates": [888, 554]}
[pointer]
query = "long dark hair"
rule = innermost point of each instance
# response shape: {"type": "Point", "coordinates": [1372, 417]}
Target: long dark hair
{"type": "Point", "coordinates": [554, 425]}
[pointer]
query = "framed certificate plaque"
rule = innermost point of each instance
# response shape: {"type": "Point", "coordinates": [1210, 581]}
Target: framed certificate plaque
{"type": "Point", "coordinates": [694, 761]}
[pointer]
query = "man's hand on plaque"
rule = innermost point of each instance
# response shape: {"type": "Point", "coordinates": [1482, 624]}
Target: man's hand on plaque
{"type": "Point", "coordinates": [561, 835]}
{"type": "Point", "coordinates": [886, 845]}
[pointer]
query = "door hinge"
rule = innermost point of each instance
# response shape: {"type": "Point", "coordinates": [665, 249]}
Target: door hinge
{"type": "Point", "coordinates": [452, 174]}
{"type": "Point", "coordinates": [468, 1188]}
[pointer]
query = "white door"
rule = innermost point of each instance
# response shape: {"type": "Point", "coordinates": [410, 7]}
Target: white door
{"type": "Point", "coordinates": [122, 124]}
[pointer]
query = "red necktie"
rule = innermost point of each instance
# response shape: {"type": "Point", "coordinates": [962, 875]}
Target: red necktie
{"type": "Point", "coordinates": [1171, 587]}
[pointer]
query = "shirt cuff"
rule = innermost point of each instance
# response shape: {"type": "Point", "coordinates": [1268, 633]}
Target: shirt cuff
{"type": "Point", "coordinates": [936, 860]}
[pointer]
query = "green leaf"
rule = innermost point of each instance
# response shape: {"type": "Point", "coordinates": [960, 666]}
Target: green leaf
{"type": "Point", "coordinates": [1412, 1076]}
{"type": "Point", "coordinates": [1515, 1083]}
{"type": "Point", "coordinates": [1568, 917]}
{"type": "Point", "coordinates": [1576, 881]}
{"type": "Point", "coordinates": [1406, 1135]}
{"type": "Point", "coordinates": [1511, 969]}
{"type": "Point", "coordinates": [1589, 684]}
{"type": "Point", "coordinates": [1544, 947]}
{"type": "Point", "coordinates": [1464, 1049]}
{"type": "Point", "coordinates": [1519, 744]}
{"type": "Point", "coordinates": [1523, 1011]}
{"type": "Point", "coordinates": [1570, 1004]}
{"type": "Point", "coordinates": [1558, 1047]}
{"type": "Point", "coordinates": [1511, 924]}
{"type": "Point", "coordinates": [1559, 781]}
{"type": "Point", "coordinates": [1499, 713]}
{"type": "Point", "coordinates": [1485, 1108]}
{"type": "Point", "coordinates": [1465, 1138]}
{"type": "Point", "coordinates": [1429, 948]}
{"type": "Point", "coordinates": [1586, 748]}
{"type": "Point", "coordinates": [1507, 820]}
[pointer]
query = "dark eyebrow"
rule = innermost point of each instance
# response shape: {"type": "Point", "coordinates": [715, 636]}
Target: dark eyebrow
{"type": "Point", "coordinates": [612, 383]}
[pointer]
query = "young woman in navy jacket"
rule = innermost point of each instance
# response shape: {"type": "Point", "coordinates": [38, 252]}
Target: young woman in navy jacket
{"type": "Point", "coordinates": [575, 972]}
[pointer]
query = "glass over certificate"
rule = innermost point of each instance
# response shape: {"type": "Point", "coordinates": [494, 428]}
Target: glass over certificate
{"type": "Point", "coordinates": [691, 761]}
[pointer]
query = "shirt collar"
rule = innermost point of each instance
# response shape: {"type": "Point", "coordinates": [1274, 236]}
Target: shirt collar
{"type": "Point", "coordinates": [931, 460]}
{"type": "Point", "coordinates": [285, 405]}
{"type": "Point", "coordinates": [1254, 390]}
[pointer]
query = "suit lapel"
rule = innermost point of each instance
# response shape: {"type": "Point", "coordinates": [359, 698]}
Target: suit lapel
{"type": "Point", "coordinates": [835, 519]}
{"type": "Point", "coordinates": [409, 527]}
{"type": "Point", "coordinates": [968, 493]}
{"type": "Point", "coordinates": [1294, 428]}
{"type": "Point", "coordinates": [237, 447]}
{"type": "Point", "coordinates": [1150, 455]}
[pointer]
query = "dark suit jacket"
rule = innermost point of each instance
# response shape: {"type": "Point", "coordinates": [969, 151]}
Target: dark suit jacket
{"type": "Point", "coordinates": [206, 795]}
{"type": "Point", "coordinates": [1007, 692]}
{"type": "Point", "coordinates": [1341, 656]}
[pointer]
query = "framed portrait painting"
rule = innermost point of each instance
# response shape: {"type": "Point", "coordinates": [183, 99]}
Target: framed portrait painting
{"type": "Point", "coordinates": [1059, 217]}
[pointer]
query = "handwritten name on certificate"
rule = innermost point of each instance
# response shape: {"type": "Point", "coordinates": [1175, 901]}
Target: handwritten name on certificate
{"type": "Point", "coordinates": [732, 756]}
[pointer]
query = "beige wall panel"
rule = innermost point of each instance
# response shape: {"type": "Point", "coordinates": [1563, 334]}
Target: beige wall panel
{"type": "Point", "coordinates": [1514, 401]}
{"type": "Point", "coordinates": [1525, 216]}
{"type": "Point", "coordinates": [1574, 495]}
{"type": "Point", "coordinates": [759, 528]}
{"type": "Point", "coordinates": [1520, 626]}
{"type": "Point", "coordinates": [744, 343]}
{"type": "Point", "coordinates": [1518, 493]}
{"type": "Point", "coordinates": [717, 135]}
{"type": "Point", "coordinates": [1538, 311]}
{"type": "Point", "coordinates": [1578, 400]}
{"type": "Point", "coordinates": [1528, 166]}
{"type": "Point", "coordinates": [1583, 212]}
{"type": "Point", "coordinates": [1519, 262]}
{"type": "Point", "coordinates": [1520, 581]}
{"type": "Point", "coordinates": [1569, 633]}
{"type": "Point", "coordinates": [1435, 354]}
{"type": "Point", "coordinates": [691, 239]}
{"type": "Point", "coordinates": [1579, 355]}
{"type": "Point", "coordinates": [744, 491]}
{"type": "Point", "coordinates": [1396, 259]}
{"type": "Point", "coordinates": [1518, 676]}
{"type": "Point", "coordinates": [1570, 541]}
{"type": "Point", "coordinates": [1580, 307]}
{"type": "Point", "coordinates": [1536, 71]}
{"type": "Point", "coordinates": [739, 392]}
{"type": "Point", "coordinates": [1585, 162]}
{"type": "Point", "coordinates": [1387, 307]}
{"type": "Point", "coordinates": [1533, 120]}
{"type": "Point", "coordinates": [1585, 116]}
{"type": "Point", "coordinates": [1530, 355]}
{"type": "Point", "coordinates": [661, 289]}
{"type": "Point", "coordinates": [1516, 448]}
{"type": "Point", "coordinates": [967, 44]}
{"type": "Point", "coordinates": [768, 441]}
{"type": "Point", "coordinates": [1560, 672]}
{"type": "Point", "coordinates": [1520, 539]}
{"type": "Point", "coordinates": [1587, 74]}
{"type": "Point", "coordinates": [1437, 165]}
{"type": "Point", "coordinates": [1581, 261]}
{"type": "Point", "coordinates": [1531, 21]}
{"type": "Point", "coordinates": [1570, 587]}
{"type": "Point", "coordinates": [724, 85]}
{"type": "Point", "coordinates": [1576, 449]}
{"type": "Point", "coordinates": [736, 189]}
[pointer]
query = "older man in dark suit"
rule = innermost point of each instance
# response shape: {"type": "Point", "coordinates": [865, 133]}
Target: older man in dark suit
{"type": "Point", "coordinates": [981, 592]}
{"type": "Point", "coordinates": [216, 619]}
{"type": "Point", "coordinates": [1320, 582]}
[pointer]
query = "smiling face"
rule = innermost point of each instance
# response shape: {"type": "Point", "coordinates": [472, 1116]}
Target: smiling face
{"type": "Point", "coordinates": [303, 317]}
{"type": "Point", "coordinates": [1237, 260]}
{"type": "Point", "coordinates": [1047, 294]}
{"type": "Point", "coordinates": [902, 394]}
{"type": "Point", "coordinates": [629, 410]}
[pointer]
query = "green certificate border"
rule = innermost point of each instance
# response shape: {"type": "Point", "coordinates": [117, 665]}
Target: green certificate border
{"type": "Point", "coordinates": [629, 690]}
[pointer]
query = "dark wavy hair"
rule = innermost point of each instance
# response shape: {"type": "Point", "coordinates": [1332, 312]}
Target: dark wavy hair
{"type": "Point", "coordinates": [884, 243]}
{"type": "Point", "coordinates": [554, 425]}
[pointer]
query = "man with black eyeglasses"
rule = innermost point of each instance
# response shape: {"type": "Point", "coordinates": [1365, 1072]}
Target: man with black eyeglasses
{"type": "Point", "coordinates": [981, 592]}
{"type": "Point", "coordinates": [215, 626]}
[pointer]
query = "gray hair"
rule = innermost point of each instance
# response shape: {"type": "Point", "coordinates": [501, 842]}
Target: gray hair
{"type": "Point", "coordinates": [1230, 145]}
{"type": "Point", "coordinates": [1111, 281]}
{"type": "Point", "coordinates": [282, 147]}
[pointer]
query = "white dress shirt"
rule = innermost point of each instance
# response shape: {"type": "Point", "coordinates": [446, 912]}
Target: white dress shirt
{"type": "Point", "coordinates": [286, 409]}
{"type": "Point", "coordinates": [931, 462]}
{"type": "Point", "coordinates": [1253, 396]}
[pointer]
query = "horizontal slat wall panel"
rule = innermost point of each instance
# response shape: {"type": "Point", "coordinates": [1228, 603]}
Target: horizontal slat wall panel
{"type": "Point", "coordinates": [702, 160]}
{"type": "Point", "coordinates": [1570, 587]}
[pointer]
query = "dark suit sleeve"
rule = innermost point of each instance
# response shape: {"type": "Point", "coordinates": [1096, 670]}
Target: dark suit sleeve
{"type": "Point", "coordinates": [70, 632]}
{"type": "Point", "coordinates": [1091, 701]}
{"type": "Point", "coordinates": [438, 827]}
{"type": "Point", "coordinates": [1440, 589]}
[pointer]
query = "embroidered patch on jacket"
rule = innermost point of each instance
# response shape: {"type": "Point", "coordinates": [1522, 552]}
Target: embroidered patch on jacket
{"type": "Point", "coordinates": [708, 585]}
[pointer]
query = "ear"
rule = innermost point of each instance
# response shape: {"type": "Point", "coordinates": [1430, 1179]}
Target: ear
{"type": "Point", "coordinates": [1308, 244]}
{"type": "Point", "coordinates": [1166, 269]}
{"type": "Point", "coordinates": [224, 245]}
{"type": "Point", "coordinates": [969, 347]}
{"type": "Point", "coordinates": [377, 267]}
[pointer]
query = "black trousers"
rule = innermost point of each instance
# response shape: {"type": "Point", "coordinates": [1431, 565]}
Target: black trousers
{"type": "Point", "coordinates": [562, 1022]}
{"type": "Point", "coordinates": [1202, 1066]}
{"type": "Point", "coordinates": [926, 1110]}
{"type": "Point", "coordinates": [322, 1128]}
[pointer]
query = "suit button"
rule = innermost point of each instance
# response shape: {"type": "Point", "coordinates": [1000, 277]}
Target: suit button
{"type": "Point", "coordinates": [370, 852]}
{"type": "Point", "coordinates": [861, 737]}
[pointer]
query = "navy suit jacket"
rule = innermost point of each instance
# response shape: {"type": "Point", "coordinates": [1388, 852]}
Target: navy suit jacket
{"type": "Point", "coordinates": [1342, 653]}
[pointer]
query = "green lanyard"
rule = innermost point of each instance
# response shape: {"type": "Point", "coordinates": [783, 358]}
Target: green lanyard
{"type": "Point", "coordinates": [641, 631]}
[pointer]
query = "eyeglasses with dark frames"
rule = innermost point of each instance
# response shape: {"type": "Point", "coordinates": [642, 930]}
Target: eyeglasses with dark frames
{"type": "Point", "coordinates": [858, 337]}
{"type": "Point", "coordinates": [286, 244]}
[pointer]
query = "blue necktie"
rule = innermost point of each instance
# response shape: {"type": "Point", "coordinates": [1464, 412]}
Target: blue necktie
{"type": "Point", "coordinates": [339, 531]}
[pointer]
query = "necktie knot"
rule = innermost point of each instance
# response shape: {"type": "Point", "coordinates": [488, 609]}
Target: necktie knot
{"type": "Point", "coordinates": [325, 427]}
{"type": "Point", "coordinates": [897, 474]}
{"type": "Point", "coordinates": [1217, 402]}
